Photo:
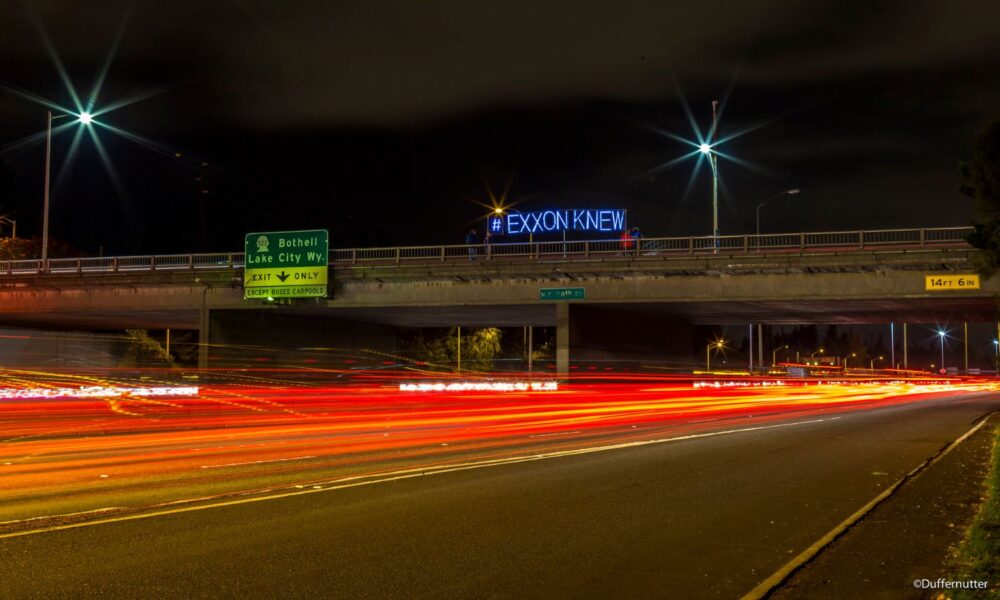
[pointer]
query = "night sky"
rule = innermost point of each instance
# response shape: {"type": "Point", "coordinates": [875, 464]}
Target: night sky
{"type": "Point", "coordinates": [387, 122]}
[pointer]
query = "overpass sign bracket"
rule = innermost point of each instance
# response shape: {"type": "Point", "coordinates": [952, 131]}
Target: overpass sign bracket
{"type": "Point", "coordinates": [286, 264]}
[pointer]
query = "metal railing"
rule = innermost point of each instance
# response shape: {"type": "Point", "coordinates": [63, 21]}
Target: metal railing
{"type": "Point", "coordinates": [573, 250]}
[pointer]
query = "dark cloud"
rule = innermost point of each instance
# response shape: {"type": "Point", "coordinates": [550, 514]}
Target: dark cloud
{"type": "Point", "coordinates": [381, 119]}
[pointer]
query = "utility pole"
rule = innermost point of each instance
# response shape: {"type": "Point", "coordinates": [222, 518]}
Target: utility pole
{"type": "Point", "coordinates": [906, 364]}
{"type": "Point", "coordinates": [965, 329]}
{"type": "Point", "coordinates": [892, 344]}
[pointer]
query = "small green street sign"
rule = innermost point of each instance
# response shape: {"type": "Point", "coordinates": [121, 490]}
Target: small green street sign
{"type": "Point", "coordinates": [286, 264]}
{"type": "Point", "coordinates": [561, 293]}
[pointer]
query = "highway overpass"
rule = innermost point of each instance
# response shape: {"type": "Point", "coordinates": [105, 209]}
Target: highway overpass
{"type": "Point", "coordinates": [662, 289]}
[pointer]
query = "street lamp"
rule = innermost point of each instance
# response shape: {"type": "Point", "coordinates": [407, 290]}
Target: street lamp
{"type": "Point", "coordinates": [713, 159]}
{"type": "Point", "coordinates": [774, 354]}
{"type": "Point", "coordinates": [871, 363]}
{"type": "Point", "coordinates": [718, 345]}
{"type": "Point", "coordinates": [13, 226]}
{"type": "Point", "coordinates": [790, 192]}
{"type": "Point", "coordinates": [853, 355]}
{"type": "Point", "coordinates": [941, 336]}
{"type": "Point", "coordinates": [85, 119]}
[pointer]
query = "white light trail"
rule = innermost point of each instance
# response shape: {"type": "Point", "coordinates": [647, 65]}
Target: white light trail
{"type": "Point", "coordinates": [482, 386]}
{"type": "Point", "coordinates": [96, 391]}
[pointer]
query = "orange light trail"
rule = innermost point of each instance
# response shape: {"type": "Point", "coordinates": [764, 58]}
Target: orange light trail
{"type": "Point", "coordinates": [134, 451]}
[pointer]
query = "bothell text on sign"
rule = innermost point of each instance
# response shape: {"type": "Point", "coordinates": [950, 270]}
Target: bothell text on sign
{"type": "Point", "coordinates": [576, 219]}
{"type": "Point", "coordinates": [290, 251]}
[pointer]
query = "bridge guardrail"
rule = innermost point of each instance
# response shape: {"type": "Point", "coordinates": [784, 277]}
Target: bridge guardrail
{"type": "Point", "coordinates": [530, 251]}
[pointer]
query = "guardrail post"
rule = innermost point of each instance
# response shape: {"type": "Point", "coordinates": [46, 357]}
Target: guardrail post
{"type": "Point", "coordinates": [397, 255]}
{"type": "Point", "coordinates": [802, 241]}
{"type": "Point", "coordinates": [354, 256]}
{"type": "Point", "coordinates": [746, 244]}
{"type": "Point", "coordinates": [690, 245]}
{"type": "Point", "coordinates": [861, 239]}
{"type": "Point", "coordinates": [442, 253]}
{"type": "Point", "coordinates": [923, 238]}
{"type": "Point", "coordinates": [586, 248]}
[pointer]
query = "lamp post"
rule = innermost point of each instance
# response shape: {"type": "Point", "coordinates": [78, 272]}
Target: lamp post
{"type": "Point", "coordinates": [85, 119]}
{"type": "Point", "coordinates": [871, 363]}
{"type": "Point", "coordinates": [941, 335]}
{"type": "Point", "coordinates": [713, 160]}
{"type": "Point", "coordinates": [790, 192]}
{"type": "Point", "coordinates": [774, 354]}
{"type": "Point", "coordinates": [847, 357]}
{"type": "Point", "coordinates": [13, 226]}
{"type": "Point", "coordinates": [819, 351]}
{"type": "Point", "coordinates": [718, 344]}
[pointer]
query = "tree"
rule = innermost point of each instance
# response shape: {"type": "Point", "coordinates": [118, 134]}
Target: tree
{"type": "Point", "coordinates": [479, 348]}
{"type": "Point", "coordinates": [143, 350]}
{"type": "Point", "coordinates": [981, 182]}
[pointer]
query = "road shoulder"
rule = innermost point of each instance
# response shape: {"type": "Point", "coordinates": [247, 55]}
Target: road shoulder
{"type": "Point", "coordinates": [910, 536]}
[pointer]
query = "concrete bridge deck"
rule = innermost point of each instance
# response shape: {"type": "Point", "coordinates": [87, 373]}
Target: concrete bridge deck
{"type": "Point", "coordinates": [828, 282]}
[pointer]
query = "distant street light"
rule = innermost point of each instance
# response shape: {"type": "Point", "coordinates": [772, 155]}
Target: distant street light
{"type": "Point", "coordinates": [941, 335]}
{"type": "Point", "coordinates": [718, 345]}
{"type": "Point", "coordinates": [790, 192]}
{"type": "Point", "coordinates": [852, 355]}
{"type": "Point", "coordinates": [820, 351]}
{"type": "Point", "coordinates": [774, 354]}
{"type": "Point", "coordinates": [871, 363]}
{"type": "Point", "coordinates": [13, 226]}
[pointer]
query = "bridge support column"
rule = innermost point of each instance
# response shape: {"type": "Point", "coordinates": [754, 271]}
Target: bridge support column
{"type": "Point", "coordinates": [562, 339]}
{"type": "Point", "coordinates": [203, 337]}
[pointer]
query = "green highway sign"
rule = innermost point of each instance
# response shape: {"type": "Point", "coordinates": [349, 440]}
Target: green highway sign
{"type": "Point", "coordinates": [561, 293]}
{"type": "Point", "coordinates": [286, 264]}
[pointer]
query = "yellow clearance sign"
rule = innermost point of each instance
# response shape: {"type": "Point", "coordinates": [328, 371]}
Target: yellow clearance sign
{"type": "Point", "coordinates": [950, 283]}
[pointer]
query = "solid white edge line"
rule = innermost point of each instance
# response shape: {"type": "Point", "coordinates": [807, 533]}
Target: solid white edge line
{"type": "Point", "coordinates": [255, 462]}
{"type": "Point", "coordinates": [393, 476]}
{"type": "Point", "coordinates": [778, 577]}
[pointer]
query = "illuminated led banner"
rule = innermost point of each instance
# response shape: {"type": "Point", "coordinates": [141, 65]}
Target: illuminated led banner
{"type": "Point", "coordinates": [604, 220]}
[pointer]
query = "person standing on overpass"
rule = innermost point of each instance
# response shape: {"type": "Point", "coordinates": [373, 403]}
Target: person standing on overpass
{"type": "Point", "coordinates": [626, 239]}
{"type": "Point", "coordinates": [471, 240]}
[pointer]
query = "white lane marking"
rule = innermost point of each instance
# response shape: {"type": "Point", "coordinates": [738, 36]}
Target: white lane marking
{"type": "Point", "coordinates": [76, 514]}
{"type": "Point", "coordinates": [255, 462]}
{"type": "Point", "coordinates": [552, 434]}
{"type": "Point", "coordinates": [363, 480]}
{"type": "Point", "coordinates": [768, 585]}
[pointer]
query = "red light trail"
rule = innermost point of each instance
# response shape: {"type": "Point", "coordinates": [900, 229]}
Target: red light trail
{"type": "Point", "coordinates": [132, 449]}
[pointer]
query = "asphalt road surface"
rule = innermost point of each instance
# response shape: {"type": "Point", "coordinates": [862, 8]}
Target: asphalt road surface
{"type": "Point", "coordinates": [703, 517]}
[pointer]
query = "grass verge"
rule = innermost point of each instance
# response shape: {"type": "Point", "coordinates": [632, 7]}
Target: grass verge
{"type": "Point", "coordinates": [978, 557]}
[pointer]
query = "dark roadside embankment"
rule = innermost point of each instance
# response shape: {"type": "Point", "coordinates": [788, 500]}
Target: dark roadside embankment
{"type": "Point", "coordinates": [916, 534]}
{"type": "Point", "coordinates": [978, 557]}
